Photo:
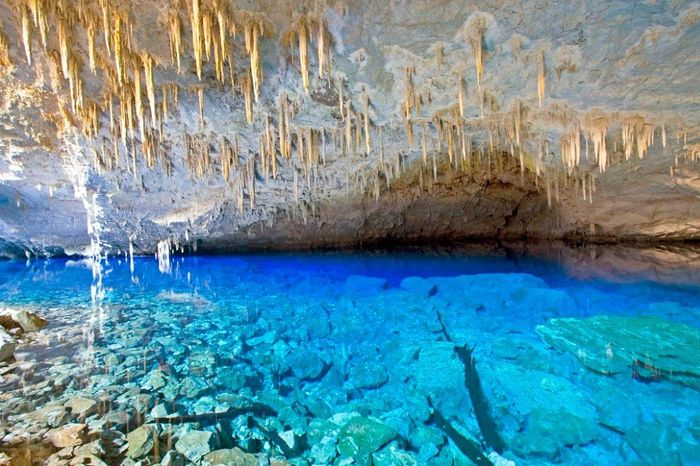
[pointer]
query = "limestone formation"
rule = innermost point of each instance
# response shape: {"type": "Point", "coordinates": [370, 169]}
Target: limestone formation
{"type": "Point", "coordinates": [214, 123]}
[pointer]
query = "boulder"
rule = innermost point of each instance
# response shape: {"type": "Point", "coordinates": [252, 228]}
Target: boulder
{"type": "Point", "coordinates": [172, 458]}
{"type": "Point", "coordinates": [360, 286]}
{"type": "Point", "coordinates": [367, 375]}
{"type": "Point", "coordinates": [650, 348]}
{"type": "Point", "coordinates": [7, 346]}
{"type": "Point", "coordinates": [70, 435]}
{"type": "Point", "coordinates": [391, 455]}
{"type": "Point", "coordinates": [305, 365]}
{"type": "Point", "coordinates": [141, 441]}
{"type": "Point", "coordinates": [194, 444]}
{"type": "Point", "coordinates": [548, 431]}
{"type": "Point", "coordinates": [229, 457]}
{"type": "Point", "coordinates": [27, 321]}
{"type": "Point", "coordinates": [81, 406]}
{"type": "Point", "coordinates": [362, 436]}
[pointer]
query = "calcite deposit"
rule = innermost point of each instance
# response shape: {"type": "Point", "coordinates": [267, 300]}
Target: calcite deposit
{"type": "Point", "coordinates": [222, 124]}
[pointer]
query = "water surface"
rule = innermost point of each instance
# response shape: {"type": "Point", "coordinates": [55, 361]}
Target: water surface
{"type": "Point", "coordinates": [333, 341]}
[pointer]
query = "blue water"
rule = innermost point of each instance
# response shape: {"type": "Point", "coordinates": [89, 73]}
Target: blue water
{"type": "Point", "coordinates": [325, 338]}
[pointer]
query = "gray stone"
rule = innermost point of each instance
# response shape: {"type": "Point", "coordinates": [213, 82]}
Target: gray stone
{"type": "Point", "coordinates": [360, 285]}
{"type": "Point", "coordinates": [7, 346]}
{"type": "Point", "coordinates": [547, 431]}
{"type": "Point", "coordinates": [141, 441]}
{"type": "Point", "coordinates": [650, 347]}
{"type": "Point", "coordinates": [81, 406]}
{"type": "Point", "coordinates": [391, 455]}
{"type": "Point", "coordinates": [229, 457]}
{"type": "Point", "coordinates": [362, 436]}
{"type": "Point", "coordinates": [655, 444]}
{"type": "Point", "coordinates": [370, 375]}
{"type": "Point", "coordinates": [29, 321]}
{"type": "Point", "coordinates": [69, 435]}
{"type": "Point", "coordinates": [305, 365]}
{"type": "Point", "coordinates": [195, 444]}
{"type": "Point", "coordinates": [172, 458]}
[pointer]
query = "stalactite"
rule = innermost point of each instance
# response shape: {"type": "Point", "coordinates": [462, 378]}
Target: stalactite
{"type": "Point", "coordinates": [207, 33]}
{"type": "Point", "coordinates": [663, 135]}
{"type": "Point", "coordinates": [541, 74]}
{"type": "Point", "coordinates": [516, 43]}
{"type": "Point", "coordinates": [196, 25]}
{"type": "Point", "coordinates": [26, 33]}
{"type": "Point", "coordinates": [365, 101]}
{"type": "Point", "coordinates": [477, 44]}
{"type": "Point", "coordinates": [247, 86]}
{"type": "Point", "coordinates": [253, 29]}
{"type": "Point", "coordinates": [91, 32]}
{"type": "Point", "coordinates": [303, 35]}
{"type": "Point", "coordinates": [341, 104]}
{"type": "Point", "coordinates": [321, 47]}
{"type": "Point", "coordinates": [175, 35]}
{"type": "Point", "coordinates": [461, 97]}
{"type": "Point", "coordinates": [597, 130]}
{"type": "Point", "coordinates": [147, 60]}
{"type": "Point", "coordinates": [4, 49]}
{"type": "Point", "coordinates": [138, 96]}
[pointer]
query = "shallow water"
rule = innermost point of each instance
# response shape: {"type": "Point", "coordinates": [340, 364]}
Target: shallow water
{"type": "Point", "coordinates": [329, 341]}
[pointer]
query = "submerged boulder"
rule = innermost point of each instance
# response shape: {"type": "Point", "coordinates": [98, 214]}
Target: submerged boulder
{"type": "Point", "coordinates": [548, 431]}
{"type": "Point", "coordinates": [194, 444]}
{"type": "Point", "coordinates": [362, 436]}
{"type": "Point", "coordinates": [7, 345]}
{"type": "Point", "coordinates": [226, 457]}
{"type": "Point", "coordinates": [141, 441]}
{"type": "Point", "coordinates": [649, 348]}
{"type": "Point", "coordinates": [21, 318]}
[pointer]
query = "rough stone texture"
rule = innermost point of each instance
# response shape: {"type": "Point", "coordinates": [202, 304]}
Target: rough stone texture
{"type": "Point", "coordinates": [600, 56]}
{"type": "Point", "coordinates": [653, 348]}
{"type": "Point", "coordinates": [7, 345]}
{"type": "Point", "coordinates": [69, 435]}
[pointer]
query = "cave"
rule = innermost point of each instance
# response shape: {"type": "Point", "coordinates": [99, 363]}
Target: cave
{"type": "Point", "coordinates": [335, 232]}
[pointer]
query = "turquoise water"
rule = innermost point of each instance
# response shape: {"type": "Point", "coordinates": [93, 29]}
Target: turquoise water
{"type": "Point", "coordinates": [360, 358]}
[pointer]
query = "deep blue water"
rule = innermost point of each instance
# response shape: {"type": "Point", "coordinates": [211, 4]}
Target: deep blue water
{"type": "Point", "coordinates": [327, 334]}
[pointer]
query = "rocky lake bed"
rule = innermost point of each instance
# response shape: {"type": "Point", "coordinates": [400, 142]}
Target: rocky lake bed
{"type": "Point", "coordinates": [236, 362]}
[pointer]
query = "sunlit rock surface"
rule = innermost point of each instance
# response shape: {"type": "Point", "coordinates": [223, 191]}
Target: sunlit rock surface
{"type": "Point", "coordinates": [573, 94]}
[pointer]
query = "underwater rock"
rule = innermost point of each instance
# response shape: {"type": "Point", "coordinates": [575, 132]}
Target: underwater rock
{"type": "Point", "coordinates": [155, 380]}
{"type": "Point", "coordinates": [267, 338]}
{"type": "Point", "coordinates": [81, 406]}
{"type": "Point", "coordinates": [193, 387]}
{"type": "Point", "coordinates": [325, 451]}
{"type": "Point", "coordinates": [21, 319]}
{"type": "Point", "coordinates": [547, 431]}
{"type": "Point", "coordinates": [53, 415]}
{"type": "Point", "coordinates": [7, 346]}
{"type": "Point", "coordinates": [69, 435]}
{"type": "Point", "coordinates": [229, 457]}
{"type": "Point", "coordinates": [362, 436]}
{"type": "Point", "coordinates": [237, 377]}
{"type": "Point", "coordinates": [391, 455]}
{"type": "Point", "coordinates": [650, 348]}
{"type": "Point", "coordinates": [141, 441]}
{"type": "Point", "coordinates": [371, 375]}
{"type": "Point", "coordinates": [654, 443]}
{"type": "Point", "coordinates": [305, 365]}
{"type": "Point", "coordinates": [172, 458]}
{"type": "Point", "coordinates": [361, 285]}
{"type": "Point", "coordinates": [29, 321]}
{"type": "Point", "coordinates": [195, 444]}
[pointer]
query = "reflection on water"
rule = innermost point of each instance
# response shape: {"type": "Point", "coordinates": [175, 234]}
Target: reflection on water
{"type": "Point", "coordinates": [534, 354]}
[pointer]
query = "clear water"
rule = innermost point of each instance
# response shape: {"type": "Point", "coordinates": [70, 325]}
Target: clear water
{"type": "Point", "coordinates": [324, 339]}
